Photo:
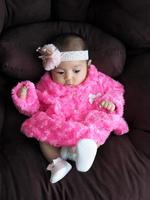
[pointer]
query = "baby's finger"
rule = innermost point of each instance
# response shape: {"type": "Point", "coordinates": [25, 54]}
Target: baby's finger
{"type": "Point", "coordinates": [112, 107]}
{"type": "Point", "coordinates": [23, 92]}
{"type": "Point", "coordinates": [104, 104]}
{"type": "Point", "coordinates": [109, 106]}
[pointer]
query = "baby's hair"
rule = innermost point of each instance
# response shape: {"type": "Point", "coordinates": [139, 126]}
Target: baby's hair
{"type": "Point", "coordinates": [70, 42]}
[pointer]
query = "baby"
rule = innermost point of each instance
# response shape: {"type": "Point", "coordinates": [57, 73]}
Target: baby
{"type": "Point", "coordinates": [72, 109]}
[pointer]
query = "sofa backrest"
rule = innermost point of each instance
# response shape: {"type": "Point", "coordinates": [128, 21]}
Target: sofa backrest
{"type": "Point", "coordinates": [2, 14]}
{"type": "Point", "coordinates": [70, 10]}
{"type": "Point", "coordinates": [15, 12]}
{"type": "Point", "coordinates": [2, 102]}
{"type": "Point", "coordinates": [127, 20]}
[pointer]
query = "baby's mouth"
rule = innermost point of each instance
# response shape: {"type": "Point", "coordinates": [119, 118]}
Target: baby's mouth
{"type": "Point", "coordinates": [68, 83]}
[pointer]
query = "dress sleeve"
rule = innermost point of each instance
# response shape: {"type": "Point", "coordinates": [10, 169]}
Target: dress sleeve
{"type": "Point", "coordinates": [112, 91]}
{"type": "Point", "coordinates": [30, 104]}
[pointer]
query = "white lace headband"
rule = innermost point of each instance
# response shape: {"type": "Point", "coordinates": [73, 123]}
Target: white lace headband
{"type": "Point", "coordinates": [52, 57]}
{"type": "Point", "coordinates": [74, 55]}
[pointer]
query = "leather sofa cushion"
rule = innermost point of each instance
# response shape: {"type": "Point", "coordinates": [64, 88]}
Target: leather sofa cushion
{"type": "Point", "coordinates": [127, 20]}
{"type": "Point", "coordinates": [20, 60]}
{"type": "Point", "coordinates": [2, 102]}
{"type": "Point", "coordinates": [2, 14]}
{"type": "Point", "coordinates": [137, 98]}
{"type": "Point", "coordinates": [137, 95]}
{"type": "Point", "coordinates": [24, 174]}
{"type": "Point", "coordinates": [71, 10]}
{"type": "Point", "coordinates": [26, 11]}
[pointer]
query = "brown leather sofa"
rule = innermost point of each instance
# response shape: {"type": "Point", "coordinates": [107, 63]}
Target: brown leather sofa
{"type": "Point", "coordinates": [118, 33]}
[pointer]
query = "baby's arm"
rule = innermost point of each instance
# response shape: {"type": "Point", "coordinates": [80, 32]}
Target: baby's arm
{"type": "Point", "coordinates": [113, 92]}
{"type": "Point", "coordinates": [112, 98]}
{"type": "Point", "coordinates": [25, 98]}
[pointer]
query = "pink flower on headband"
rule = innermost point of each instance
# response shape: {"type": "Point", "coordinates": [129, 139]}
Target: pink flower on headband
{"type": "Point", "coordinates": [50, 56]}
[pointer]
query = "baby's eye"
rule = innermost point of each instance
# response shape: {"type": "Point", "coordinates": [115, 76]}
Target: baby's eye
{"type": "Point", "coordinates": [60, 72]}
{"type": "Point", "coordinates": [76, 71]}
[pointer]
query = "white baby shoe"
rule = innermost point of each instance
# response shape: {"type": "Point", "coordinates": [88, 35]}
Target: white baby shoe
{"type": "Point", "coordinates": [83, 154]}
{"type": "Point", "coordinates": [59, 168]}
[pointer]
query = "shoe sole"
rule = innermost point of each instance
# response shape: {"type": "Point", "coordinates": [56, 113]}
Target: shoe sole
{"type": "Point", "coordinates": [61, 174]}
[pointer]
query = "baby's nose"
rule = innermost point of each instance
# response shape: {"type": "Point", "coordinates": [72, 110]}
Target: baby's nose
{"type": "Point", "coordinates": [68, 77]}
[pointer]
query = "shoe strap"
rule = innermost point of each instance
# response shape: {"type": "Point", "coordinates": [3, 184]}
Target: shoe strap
{"type": "Point", "coordinates": [51, 165]}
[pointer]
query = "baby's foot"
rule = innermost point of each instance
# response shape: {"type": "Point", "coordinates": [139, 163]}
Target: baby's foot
{"type": "Point", "coordinates": [59, 169]}
{"type": "Point", "coordinates": [85, 154]}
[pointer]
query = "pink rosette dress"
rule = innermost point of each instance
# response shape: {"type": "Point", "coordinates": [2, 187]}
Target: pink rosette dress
{"type": "Point", "coordinates": [62, 115]}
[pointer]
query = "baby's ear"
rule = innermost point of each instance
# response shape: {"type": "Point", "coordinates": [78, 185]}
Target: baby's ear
{"type": "Point", "coordinates": [89, 62]}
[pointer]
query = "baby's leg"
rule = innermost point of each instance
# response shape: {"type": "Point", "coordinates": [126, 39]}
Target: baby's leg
{"type": "Point", "coordinates": [50, 152]}
{"type": "Point", "coordinates": [58, 167]}
{"type": "Point", "coordinates": [83, 154]}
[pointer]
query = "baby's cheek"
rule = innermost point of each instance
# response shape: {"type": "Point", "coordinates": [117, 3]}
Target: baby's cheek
{"type": "Point", "coordinates": [79, 79]}
{"type": "Point", "coordinates": [59, 79]}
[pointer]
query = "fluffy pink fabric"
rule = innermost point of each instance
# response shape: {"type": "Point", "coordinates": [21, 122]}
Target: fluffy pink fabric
{"type": "Point", "coordinates": [67, 114]}
{"type": "Point", "coordinates": [31, 104]}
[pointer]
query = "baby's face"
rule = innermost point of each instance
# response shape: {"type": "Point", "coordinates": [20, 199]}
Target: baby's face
{"type": "Point", "coordinates": [70, 73]}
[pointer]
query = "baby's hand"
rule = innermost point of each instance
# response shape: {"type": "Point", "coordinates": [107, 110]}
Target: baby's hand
{"type": "Point", "coordinates": [108, 105]}
{"type": "Point", "coordinates": [22, 93]}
